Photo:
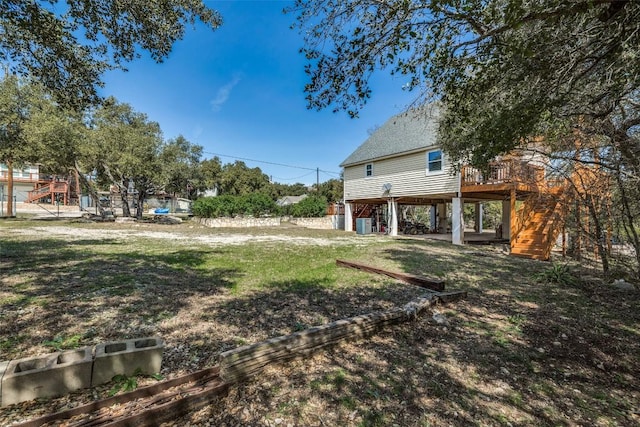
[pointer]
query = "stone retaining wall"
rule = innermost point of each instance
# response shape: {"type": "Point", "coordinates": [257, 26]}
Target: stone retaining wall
{"type": "Point", "coordinates": [329, 222]}
{"type": "Point", "coordinates": [324, 223]}
{"type": "Point", "coordinates": [237, 222]}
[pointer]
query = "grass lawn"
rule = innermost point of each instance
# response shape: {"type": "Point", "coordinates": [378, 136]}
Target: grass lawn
{"type": "Point", "coordinates": [515, 352]}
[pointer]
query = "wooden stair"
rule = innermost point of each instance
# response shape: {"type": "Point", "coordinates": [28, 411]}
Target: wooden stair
{"type": "Point", "coordinates": [542, 216]}
{"type": "Point", "coordinates": [49, 190]}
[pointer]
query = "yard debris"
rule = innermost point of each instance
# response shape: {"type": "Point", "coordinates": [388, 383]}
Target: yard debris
{"type": "Point", "coordinates": [145, 406]}
{"type": "Point", "coordinates": [623, 285]}
{"type": "Point", "coordinates": [167, 219]}
{"type": "Point", "coordinates": [246, 361]}
{"type": "Point", "coordinates": [424, 282]}
{"type": "Point", "coordinates": [125, 219]}
{"type": "Point", "coordinates": [439, 318]}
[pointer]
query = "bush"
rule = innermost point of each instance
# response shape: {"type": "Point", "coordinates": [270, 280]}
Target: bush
{"type": "Point", "coordinates": [215, 207]}
{"type": "Point", "coordinates": [229, 206]}
{"type": "Point", "coordinates": [258, 204]}
{"type": "Point", "coordinates": [559, 274]}
{"type": "Point", "coordinates": [310, 207]}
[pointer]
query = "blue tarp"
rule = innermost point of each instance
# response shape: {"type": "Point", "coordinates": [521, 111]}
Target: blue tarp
{"type": "Point", "coordinates": [161, 211]}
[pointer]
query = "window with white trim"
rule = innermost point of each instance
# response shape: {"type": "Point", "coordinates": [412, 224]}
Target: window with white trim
{"type": "Point", "coordinates": [368, 170]}
{"type": "Point", "coordinates": [435, 162]}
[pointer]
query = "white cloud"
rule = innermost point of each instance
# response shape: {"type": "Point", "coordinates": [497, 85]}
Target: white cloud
{"type": "Point", "coordinates": [197, 131]}
{"type": "Point", "coordinates": [223, 94]}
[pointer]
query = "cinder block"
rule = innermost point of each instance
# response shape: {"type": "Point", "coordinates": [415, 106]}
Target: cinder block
{"type": "Point", "coordinates": [3, 368]}
{"type": "Point", "coordinates": [125, 357]}
{"type": "Point", "coordinates": [50, 375]}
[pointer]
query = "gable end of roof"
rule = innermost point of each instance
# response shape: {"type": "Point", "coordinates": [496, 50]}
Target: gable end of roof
{"type": "Point", "coordinates": [407, 132]}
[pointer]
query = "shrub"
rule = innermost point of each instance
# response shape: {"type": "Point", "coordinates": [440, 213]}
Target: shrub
{"type": "Point", "coordinates": [310, 207]}
{"type": "Point", "coordinates": [214, 207]}
{"type": "Point", "coordinates": [559, 274]}
{"type": "Point", "coordinates": [258, 204]}
{"type": "Point", "coordinates": [229, 206]}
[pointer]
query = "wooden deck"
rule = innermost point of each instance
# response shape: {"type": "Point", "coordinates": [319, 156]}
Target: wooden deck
{"type": "Point", "coordinates": [501, 178]}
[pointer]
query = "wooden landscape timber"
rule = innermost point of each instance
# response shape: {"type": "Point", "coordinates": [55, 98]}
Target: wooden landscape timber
{"type": "Point", "coordinates": [177, 397]}
{"type": "Point", "coordinates": [423, 282]}
{"type": "Point", "coordinates": [243, 362]}
{"type": "Point", "coordinates": [145, 406]}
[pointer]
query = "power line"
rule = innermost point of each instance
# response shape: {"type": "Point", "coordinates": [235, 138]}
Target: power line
{"type": "Point", "coordinates": [292, 179]}
{"type": "Point", "coordinates": [330, 173]}
{"type": "Point", "coordinates": [270, 163]}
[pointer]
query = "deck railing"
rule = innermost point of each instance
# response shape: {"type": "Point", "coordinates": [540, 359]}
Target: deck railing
{"type": "Point", "coordinates": [20, 176]}
{"type": "Point", "coordinates": [56, 187]}
{"type": "Point", "coordinates": [503, 172]}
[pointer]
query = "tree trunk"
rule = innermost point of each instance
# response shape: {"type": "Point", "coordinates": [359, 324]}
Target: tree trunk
{"type": "Point", "coordinates": [90, 188]}
{"type": "Point", "coordinates": [124, 196]}
{"type": "Point", "coordinates": [628, 222]}
{"type": "Point", "coordinates": [599, 235]}
{"type": "Point", "coordinates": [9, 188]}
{"type": "Point", "coordinates": [140, 207]}
{"type": "Point", "coordinates": [123, 188]}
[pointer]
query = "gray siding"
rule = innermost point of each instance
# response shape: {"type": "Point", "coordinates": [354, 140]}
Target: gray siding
{"type": "Point", "coordinates": [407, 174]}
{"type": "Point", "coordinates": [20, 191]}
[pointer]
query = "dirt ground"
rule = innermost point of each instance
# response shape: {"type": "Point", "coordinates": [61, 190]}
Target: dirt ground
{"type": "Point", "coordinates": [514, 353]}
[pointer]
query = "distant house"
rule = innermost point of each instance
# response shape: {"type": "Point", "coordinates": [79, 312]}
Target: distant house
{"type": "Point", "coordinates": [401, 164]}
{"type": "Point", "coordinates": [29, 186]}
{"type": "Point", "coordinates": [210, 192]}
{"type": "Point", "coordinates": [24, 181]}
{"type": "Point", "coordinates": [290, 200]}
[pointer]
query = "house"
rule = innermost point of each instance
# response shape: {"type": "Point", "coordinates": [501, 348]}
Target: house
{"type": "Point", "coordinates": [30, 186]}
{"type": "Point", "coordinates": [402, 165]}
{"type": "Point", "coordinates": [24, 181]}
{"type": "Point", "coordinates": [290, 200]}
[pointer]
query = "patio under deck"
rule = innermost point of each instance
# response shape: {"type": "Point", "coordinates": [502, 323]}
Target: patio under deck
{"type": "Point", "coordinates": [470, 236]}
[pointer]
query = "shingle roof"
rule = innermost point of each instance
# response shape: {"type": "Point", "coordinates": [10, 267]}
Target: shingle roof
{"type": "Point", "coordinates": [409, 131]}
{"type": "Point", "coordinates": [290, 200]}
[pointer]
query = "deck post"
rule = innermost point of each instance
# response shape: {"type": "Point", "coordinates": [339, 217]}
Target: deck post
{"type": "Point", "coordinates": [348, 217]}
{"type": "Point", "coordinates": [442, 218]}
{"type": "Point", "coordinates": [512, 215]}
{"type": "Point", "coordinates": [478, 211]}
{"type": "Point", "coordinates": [433, 218]}
{"type": "Point", "coordinates": [457, 221]}
{"type": "Point", "coordinates": [506, 219]}
{"type": "Point", "coordinates": [393, 226]}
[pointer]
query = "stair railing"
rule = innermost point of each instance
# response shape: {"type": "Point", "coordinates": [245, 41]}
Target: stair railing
{"type": "Point", "coordinates": [39, 193]}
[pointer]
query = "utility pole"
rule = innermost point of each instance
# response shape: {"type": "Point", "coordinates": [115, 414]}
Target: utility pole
{"type": "Point", "coordinates": [318, 180]}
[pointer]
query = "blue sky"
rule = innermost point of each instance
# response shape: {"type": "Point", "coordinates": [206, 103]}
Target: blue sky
{"type": "Point", "coordinates": [238, 91]}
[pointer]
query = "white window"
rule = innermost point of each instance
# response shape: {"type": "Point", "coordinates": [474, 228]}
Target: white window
{"type": "Point", "coordinates": [368, 169]}
{"type": "Point", "coordinates": [435, 161]}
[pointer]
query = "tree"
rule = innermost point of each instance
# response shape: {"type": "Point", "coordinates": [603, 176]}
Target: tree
{"type": "Point", "coordinates": [180, 162]}
{"type": "Point", "coordinates": [281, 190]}
{"type": "Point", "coordinates": [504, 70]}
{"type": "Point", "coordinates": [67, 45]}
{"type": "Point", "coordinates": [58, 135]}
{"type": "Point", "coordinates": [237, 179]}
{"type": "Point", "coordinates": [35, 129]}
{"type": "Point", "coordinates": [17, 101]}
{"type": "Point", "coordinates": [124, 149]}
{"type": "Point", "coordinates": [210, 174]}
{"type": "Point", "coordinates": [332, 190]}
